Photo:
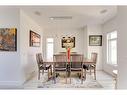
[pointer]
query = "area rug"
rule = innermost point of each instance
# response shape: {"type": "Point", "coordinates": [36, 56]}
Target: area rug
{"type": "Point", "coordinates": [75, 83]}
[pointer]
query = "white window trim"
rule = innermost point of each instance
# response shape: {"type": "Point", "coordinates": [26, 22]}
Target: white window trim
{"type": "Point", "coordinates": [108, 54]}
{"type": "Point", "coordinates": [47, 46]}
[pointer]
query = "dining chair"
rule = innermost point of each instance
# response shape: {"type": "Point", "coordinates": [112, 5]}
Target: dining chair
{"type": "Point", "coordinates": [76, 65]}
{"type": "Point", "coordinates": [93, 66]}
{"type": "Point", "coordinates": [60, 65]}
{"type": "Point", "coordinates": [42, 66]}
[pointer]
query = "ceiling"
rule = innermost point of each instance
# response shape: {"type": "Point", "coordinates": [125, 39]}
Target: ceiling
{"type": "Point", "coordinates": [81, 15]}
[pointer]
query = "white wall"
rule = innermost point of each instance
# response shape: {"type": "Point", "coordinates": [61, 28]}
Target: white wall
{"type": "Point", "coordinates": [27, 53]}
{"type": "Point", "coordinates": [85, 42]}
{"type": "Point", "coordinates": [94, 29]}
{"type": "Point", "coordinates": [122, 47]}
{"type": "Point", "coordinates": [109, 26]}
{"type": "Point", "coordinates": [10, 61]}
{"type": "Point", "coordinates": [16, 67]}
{"type": "Point", "coordinates": [57, 34]}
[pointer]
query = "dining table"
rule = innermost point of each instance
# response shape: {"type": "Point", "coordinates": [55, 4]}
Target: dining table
{"type": "Point", "coordinates": [86, 63]}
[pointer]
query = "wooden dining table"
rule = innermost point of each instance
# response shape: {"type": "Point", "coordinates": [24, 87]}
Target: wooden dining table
{"type": "Point", "coordinates": [85, 61]}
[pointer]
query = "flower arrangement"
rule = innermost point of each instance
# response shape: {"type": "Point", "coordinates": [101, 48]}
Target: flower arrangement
{"type": "Point", "coordinates": [68, 47]}
{"type": "Point", "coordinates": [68, 43]}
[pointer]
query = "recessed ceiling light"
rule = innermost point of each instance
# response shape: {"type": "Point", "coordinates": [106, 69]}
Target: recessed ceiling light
{"type": "Point", "coordinates": [60, 17]}
{"type": "Point", "coordinates": [37, 13]}
{"type": "Point", "coordinates": [51, 18]}
{"type": "Point", "coordinates": [103, 11]}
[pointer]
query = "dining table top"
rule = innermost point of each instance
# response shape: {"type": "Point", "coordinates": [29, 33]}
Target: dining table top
{"type": "Point", "coordinates": [85, 61]}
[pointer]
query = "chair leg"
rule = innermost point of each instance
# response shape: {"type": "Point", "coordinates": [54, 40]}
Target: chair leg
{"type": "Point", "coordinates": [54, 76]}
{"type": "Point", "coordinates": [95, 73]}
{"type": "Point", "coordinates": [51, 70]}
{"type": "Point", "coordinates": [38, 74]}
{"type": "Point", "coordinates": [82, 76]}
{"type": "Point", "coordinates": [42, 71]}
{"type": "Point", "coordinates": [48, 74]}
{"type": "Point", "coordinates": [90, 69]}
{"type": "Point", "coordinates": [70, 76]}
{"type": "Point", "coordinates": [66, 77]}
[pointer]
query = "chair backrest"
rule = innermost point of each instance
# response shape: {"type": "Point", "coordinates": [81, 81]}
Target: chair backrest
{"type": "Point", "coordinates": [76, 60]}
{"type": "Point", "coordinates": [39, 59]}
{"type": "Point", "coordinates": [60, 60]}
{"type": "Point", "coordinates": [94, 57]}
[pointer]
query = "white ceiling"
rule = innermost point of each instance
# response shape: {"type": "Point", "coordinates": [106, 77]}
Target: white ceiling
{"type": "Point", "coordinates": [81, 15]}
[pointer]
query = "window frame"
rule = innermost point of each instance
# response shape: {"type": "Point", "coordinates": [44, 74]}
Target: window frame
{"type": "Point", "coordinates": [47, 47]}
{"type": "Point", "coordinates": [109, 50]}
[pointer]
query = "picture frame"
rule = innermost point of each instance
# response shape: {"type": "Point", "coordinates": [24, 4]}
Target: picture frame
{"type": "Point", "coordinates": [8, 39]}
{"type": "Point", "coordinates": [95, 40]}
{"type": "Point", "coordinates": [68, 42]}
{"type": "Point", "coordinates": [35, 39]}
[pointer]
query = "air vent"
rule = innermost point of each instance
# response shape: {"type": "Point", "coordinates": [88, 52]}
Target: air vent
{"type": "Point", "coordinates": [103, 11]}
{"type": "Point", "coordinates": [61, 17]}
{"type": "Point", "coordinates": [37, 13]}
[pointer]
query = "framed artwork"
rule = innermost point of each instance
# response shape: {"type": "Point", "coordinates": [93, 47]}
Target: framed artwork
{"type": "Point", "coordinates": [8, 39]}
{"type": "Point", "coordinates": [68, 42]}
{"type": "Point", "coordinates": [35, 39]}
{"type": "Point", "coordinates": [95, 40]}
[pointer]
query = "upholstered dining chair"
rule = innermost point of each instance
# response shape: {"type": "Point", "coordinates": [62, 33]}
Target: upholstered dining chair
{"type": "Point", "coordinates": [76, 65]}
{"type": "Point", "coordinates": [60, 65]}
{"type": "Point", "coordinates": [42, 66]}
{"type": "Point", "coordinates": [93, 66]}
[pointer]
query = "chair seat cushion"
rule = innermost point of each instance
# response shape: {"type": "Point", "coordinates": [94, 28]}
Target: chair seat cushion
{"type": "Point", "coordinates": [46, 67]}
{"type": "Point", "coordinates": [93, 65]}
{"type": "Point", "coordinates": [85, 67]}
{"type": "Point", "coordinates": [76, 69]}
{"type": "Point", "coordinates": [60, 69]}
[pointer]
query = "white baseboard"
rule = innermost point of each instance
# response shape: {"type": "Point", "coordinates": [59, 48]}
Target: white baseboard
{"type": "Point", "coordinates": [11, 85]}
{"type": "Point", "coordinates": [30, 76]}
{"type": "Point", "coordinates": [108, 73]}
{"type": "Point", "coordinates": [16, 84]}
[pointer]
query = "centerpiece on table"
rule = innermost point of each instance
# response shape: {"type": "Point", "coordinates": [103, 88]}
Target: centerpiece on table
{"type": "Point", "coordinates": [68, 43]}
{"type": "Point", "coordinates": [68, 50]}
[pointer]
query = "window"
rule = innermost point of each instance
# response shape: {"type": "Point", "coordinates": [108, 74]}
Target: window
{"type": "Point", "coordinates": [50, 43]}
{"type": "Point", "coordinates": [112, 48]}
